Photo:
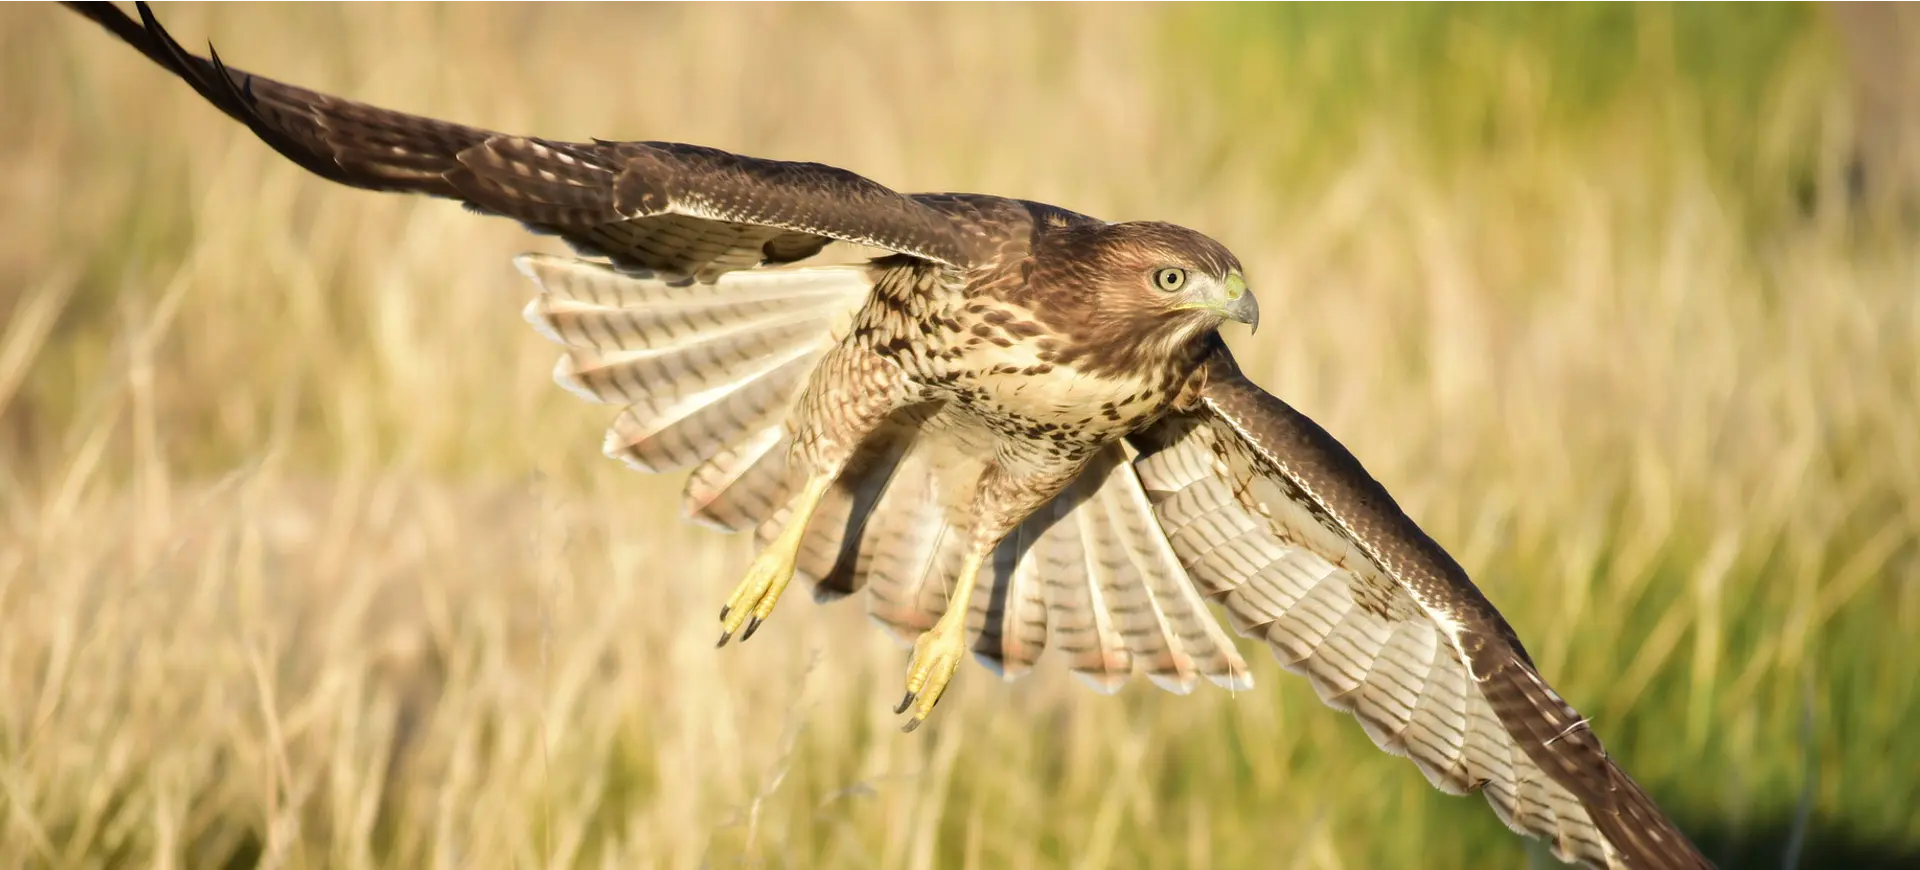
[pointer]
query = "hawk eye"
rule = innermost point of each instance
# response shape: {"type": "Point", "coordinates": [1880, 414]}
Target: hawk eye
{"type": "Point", "coordinates": [1170, 279]}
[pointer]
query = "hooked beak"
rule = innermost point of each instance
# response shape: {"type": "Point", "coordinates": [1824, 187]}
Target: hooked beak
{"type": "Point", "coordinates": [1239, 304]}
{"type": "Point", "coordinates": [1243, 308]}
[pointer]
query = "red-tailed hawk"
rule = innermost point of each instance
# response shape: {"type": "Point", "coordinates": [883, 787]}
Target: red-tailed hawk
{"type": "Point", "coordinates": [1017, 431]}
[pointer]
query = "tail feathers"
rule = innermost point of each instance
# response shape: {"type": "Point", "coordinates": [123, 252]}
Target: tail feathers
{"type": "Point", "coordinates": [1079, 621]}
{"type": "Point", "coordinates": [1008, 620]}
{"type": "Point", "coordinates": [830, 554]}
{"type": "Point", "coordinates": [741, 485]}
{"type": "Point", "coordinates": [1090, 574]}
{"type": "Point", "coordinates": [705, 368]}
{"type": "Point", "coordinates": [910, 549]}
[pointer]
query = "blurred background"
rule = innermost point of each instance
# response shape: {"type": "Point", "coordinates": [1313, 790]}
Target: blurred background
{"type": "Point", "coordinates": [304, 561]}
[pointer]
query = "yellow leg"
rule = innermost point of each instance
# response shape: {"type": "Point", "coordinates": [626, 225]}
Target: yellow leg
{"type": "Point", "coordinates": [938, 653]}
{"type": "Point", "coordinates": [752, 601]}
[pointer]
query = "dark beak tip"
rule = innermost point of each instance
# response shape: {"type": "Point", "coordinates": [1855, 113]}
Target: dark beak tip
{"type": "Point", "coordinates": [1247, 311]}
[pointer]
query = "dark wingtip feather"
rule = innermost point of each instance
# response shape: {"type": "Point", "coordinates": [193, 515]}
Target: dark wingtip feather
{"type": "Point", "coordinates": [116, 22]}
{"type": "Point", "coordinates": [231, 91]}
{"type": "Point", "coordinates": [149, 38]}
{"type": "Point", "coordinates": [168, 52]}
{"type": "Point", "coordinates": [210, 78]}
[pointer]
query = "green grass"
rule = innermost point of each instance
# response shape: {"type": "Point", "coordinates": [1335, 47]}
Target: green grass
{"type": "Point", "coordinates": [1737, 97]}
{"type": "Point", "coordinates": [304, 562]}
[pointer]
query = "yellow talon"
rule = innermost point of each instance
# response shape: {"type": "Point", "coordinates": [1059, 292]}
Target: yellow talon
{"type": "Point", "coordinates": [753, 600]}
{"type": "Point", "coordinates": [938, 653]}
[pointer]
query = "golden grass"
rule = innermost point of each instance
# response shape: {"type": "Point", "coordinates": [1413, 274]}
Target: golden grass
{"type": "Point", "coordinates": [304, 562]}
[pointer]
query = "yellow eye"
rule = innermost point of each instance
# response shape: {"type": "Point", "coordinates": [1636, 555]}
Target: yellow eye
{"type": "Point", "coordinates": [1170, 279]}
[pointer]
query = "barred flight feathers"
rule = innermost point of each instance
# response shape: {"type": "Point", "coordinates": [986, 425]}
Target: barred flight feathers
{"type": "Point", "coordinates": [1306, 551]}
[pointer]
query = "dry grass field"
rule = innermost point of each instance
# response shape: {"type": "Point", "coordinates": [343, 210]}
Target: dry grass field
{"type": "Point", "coordinates": [304, 562]}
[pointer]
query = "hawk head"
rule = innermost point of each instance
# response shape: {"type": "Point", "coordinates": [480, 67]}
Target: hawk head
{"type": "Point", "coordinates": [1137, 293]}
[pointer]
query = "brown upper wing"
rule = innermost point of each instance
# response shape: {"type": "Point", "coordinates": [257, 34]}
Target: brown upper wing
{"type": "Point", "coordinates": [1274, 519]}
{"type": "Point", "coordinates": [654, 205]}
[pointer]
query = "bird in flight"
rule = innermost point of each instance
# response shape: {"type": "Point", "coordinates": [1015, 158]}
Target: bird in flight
{"type": "Point", "coordinates": [1018, 429]}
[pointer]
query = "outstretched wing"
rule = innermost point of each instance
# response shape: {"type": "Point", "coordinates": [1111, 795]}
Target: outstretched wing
{"type": "Point", "coordinates": [664, 206]}
{"type": "Point", "coordinates": [1276, 521]}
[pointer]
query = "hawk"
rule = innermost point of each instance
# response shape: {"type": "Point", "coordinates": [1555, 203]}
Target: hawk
{"type": "Point", "coordinates": [1017, 429]}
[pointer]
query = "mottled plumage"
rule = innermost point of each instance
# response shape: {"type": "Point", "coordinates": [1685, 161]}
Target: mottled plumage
{"type": "Point", "coordinates": [1015, 394]}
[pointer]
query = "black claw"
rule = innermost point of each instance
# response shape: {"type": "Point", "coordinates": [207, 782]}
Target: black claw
{"type": "Point", "coordinates": [911, 724]}
{"type": "Point", "coordinates": [724, 637]}
{"type": "Point", "coordinates": [724, 610]}
{"type": "Point", "coordinates": [752, 626]}
{"type": "Point", "coordinates": [904, 704]}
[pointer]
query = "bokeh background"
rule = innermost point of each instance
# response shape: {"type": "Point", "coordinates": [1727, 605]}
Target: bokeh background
{"type": "Point", "coordinates": [305, 563]}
